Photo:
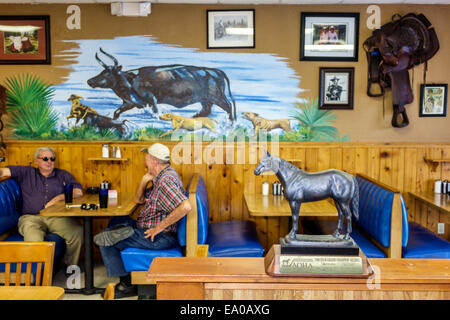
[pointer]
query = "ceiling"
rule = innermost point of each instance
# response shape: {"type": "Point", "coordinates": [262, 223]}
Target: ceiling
{"type": "Point", "coordinates": [237, 2]}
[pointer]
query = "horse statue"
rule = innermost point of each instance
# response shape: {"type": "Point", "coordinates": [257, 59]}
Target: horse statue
{"type": "Point", "coordinates": [300, 186]}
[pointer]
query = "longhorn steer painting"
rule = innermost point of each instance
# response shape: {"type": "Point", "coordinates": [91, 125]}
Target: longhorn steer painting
{"type": "Point", "coordinates": [177, 85]}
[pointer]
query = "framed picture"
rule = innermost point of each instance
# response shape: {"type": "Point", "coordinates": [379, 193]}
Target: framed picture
{"type": "Point", "coordinates": [329, 36]}
{"type": "Point", "coordinates": [433, 100]}
{"type": "Point", "coordinates": [25, 40]}
{"type": "Point", "coordinates": [336, 88]}
{"type": "Point", "coordinates": [230, 29]}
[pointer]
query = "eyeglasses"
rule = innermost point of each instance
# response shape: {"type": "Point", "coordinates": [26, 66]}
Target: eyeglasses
{"type": "Point", "coordinates": [91, 206]}
{"type": "Point", "coordinates": [52, 159]}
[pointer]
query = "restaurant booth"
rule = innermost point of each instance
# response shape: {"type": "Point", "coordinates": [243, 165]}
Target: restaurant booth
{"type": "Point", "coordinates": [224, 85]}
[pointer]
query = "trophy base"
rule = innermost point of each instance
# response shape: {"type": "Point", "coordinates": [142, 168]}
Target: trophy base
{"type": "Point", "coordinates": [319, 245]}
{"type": "Point", "coordinates": [306, 265]}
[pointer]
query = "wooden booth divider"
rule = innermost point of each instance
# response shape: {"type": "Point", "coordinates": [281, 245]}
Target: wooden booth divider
{"type": "Point", "coordinates": [228, 171]}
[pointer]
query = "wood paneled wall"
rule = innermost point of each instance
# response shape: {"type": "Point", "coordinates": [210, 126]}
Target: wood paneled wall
{"type": "Point", "coordinates": [228, 171]}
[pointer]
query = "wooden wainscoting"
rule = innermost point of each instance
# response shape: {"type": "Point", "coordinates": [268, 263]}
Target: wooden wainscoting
{"type": "Point", "coordinates": [228, 171]}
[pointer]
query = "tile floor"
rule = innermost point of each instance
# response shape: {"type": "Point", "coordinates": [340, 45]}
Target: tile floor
{"type": "Point", "coordinates": [100, 281]}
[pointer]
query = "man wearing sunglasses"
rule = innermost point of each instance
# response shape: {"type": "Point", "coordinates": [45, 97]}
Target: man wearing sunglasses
{"type": "Point", "coordinates": [41, 188]}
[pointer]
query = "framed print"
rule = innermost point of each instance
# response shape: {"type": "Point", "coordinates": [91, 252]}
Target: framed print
{"type": "Point", "coordinates": [433, 100]}
{"type": "Point", "coordinates": [336, 88]}
{"type": "Point", "coordinates": [230, 29]}
{"type": "Point", "coordinates": [24, 40]}
{"type": "Point", "coordinates": [329, 36]}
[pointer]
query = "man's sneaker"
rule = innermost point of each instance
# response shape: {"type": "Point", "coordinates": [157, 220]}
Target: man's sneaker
{"type": "Point", "coordinates": [110, 237]}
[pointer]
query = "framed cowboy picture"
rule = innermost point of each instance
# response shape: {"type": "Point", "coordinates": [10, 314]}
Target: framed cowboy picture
{"type": "Point", "coordinates": [329, 36]}
{"type": "Point", "coordinates": [230, 29]}
{"type": "Point", "coordinates": [24, 40]}
{"type": "Point", "coordinates": [336, 88]}
{"type": "Point", "coordinates": [433, 100]}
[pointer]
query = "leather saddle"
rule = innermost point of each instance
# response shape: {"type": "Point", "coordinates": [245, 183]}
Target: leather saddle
{"type": "Point", "coordinates": [394, 49]}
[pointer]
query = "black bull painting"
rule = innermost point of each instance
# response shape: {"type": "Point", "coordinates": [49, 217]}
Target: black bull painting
{"type": "Point", "coordinates": [176, 85]}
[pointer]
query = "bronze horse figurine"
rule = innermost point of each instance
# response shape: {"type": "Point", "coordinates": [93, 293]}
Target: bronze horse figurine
{"type": "Point", "coordinates": [300, 186]}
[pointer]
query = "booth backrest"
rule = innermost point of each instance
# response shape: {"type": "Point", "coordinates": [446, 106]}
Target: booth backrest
{"type": "Point", "coordinates": [198, 196]}
{"type": "Point", "coordinates": [10, 204]}
{"type": "Point", "coordinates": [383, 215]}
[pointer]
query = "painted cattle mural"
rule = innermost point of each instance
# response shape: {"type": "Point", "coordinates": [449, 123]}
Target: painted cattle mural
{"type": "Point", "coordinates": [176, 85]}
{"type": "Point", "coordinates": [136, 88]}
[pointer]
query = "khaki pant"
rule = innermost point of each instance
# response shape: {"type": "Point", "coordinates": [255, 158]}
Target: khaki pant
{"type": "Point", "coordinates": [34, 228]}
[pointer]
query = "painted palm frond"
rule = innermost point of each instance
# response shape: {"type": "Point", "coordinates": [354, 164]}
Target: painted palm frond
{"type": "Point", "coordinates": [315, 124]}
{"type": "Point", "coordinates": [27, 88]}
{"type": "Point", "coordinates": [29, 103]}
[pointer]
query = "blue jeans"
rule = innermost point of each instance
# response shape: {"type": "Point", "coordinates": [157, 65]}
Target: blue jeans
{"type": "Point", "coordinates": [111, 255]}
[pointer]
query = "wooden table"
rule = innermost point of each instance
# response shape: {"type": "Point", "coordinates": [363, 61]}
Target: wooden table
{"type": "Point", "coordinates": [436, 200]}
{"type": "Point", "coordinates": [31, 293]}
{"type": "Point", "coordinates": [122, 206]}
{"type": "Point", "coordinates": [245, 278]}
{"type": "Point", "coordinates": [277, 206]}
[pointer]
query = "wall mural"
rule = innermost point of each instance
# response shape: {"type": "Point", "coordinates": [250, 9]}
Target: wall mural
{"type": "Point", "coordinates": [136, 88]}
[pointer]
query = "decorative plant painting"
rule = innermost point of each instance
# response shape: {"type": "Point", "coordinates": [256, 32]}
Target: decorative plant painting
{"type": "Point", "coordinates": [135, 88]}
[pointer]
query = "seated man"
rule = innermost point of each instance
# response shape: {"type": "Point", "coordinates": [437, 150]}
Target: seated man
{"type": "Point", "coordinates": [41, 188]}
{"type": "Point", "coordinates": [164, 204]}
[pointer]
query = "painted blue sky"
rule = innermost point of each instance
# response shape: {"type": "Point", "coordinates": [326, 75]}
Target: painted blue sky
{"type": "Point", "coordinates": [260, 82]}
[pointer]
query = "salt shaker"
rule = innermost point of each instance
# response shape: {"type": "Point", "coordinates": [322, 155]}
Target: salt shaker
{"type": "Point", "coordinates": [105, 151]}
{"type": "Point", "coordinates": [118, 155]}
{"type": "Point", "coordinates": [265, 188]}
{"type": "Point", "coordinates": [437, 186]}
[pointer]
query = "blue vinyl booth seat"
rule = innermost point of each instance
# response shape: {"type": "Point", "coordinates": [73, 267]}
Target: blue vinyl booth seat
{"type": "Point", "coordinates": [237, 238]}
{"type": "Point", "coordinates": [10, 211]}
{"type": "Point", "coordinates": [379, 206]}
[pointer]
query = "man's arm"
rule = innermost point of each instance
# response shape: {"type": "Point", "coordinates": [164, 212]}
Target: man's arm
{"type": "Point", "coordinates": [77, 193]}
{"type": "Point", "coordinates": [5, 172]}
{"type": "Point", "coordinates": [139, 196]}
{"type": "Point", "coordinates": [172, 218]}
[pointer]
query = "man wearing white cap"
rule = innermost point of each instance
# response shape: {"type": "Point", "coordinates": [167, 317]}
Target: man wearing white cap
{"type": "Point", "coordinates": [164, 202]}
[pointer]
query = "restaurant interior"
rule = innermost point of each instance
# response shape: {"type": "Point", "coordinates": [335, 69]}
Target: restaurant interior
{"type": "Point", "coordinates": [332, 183]}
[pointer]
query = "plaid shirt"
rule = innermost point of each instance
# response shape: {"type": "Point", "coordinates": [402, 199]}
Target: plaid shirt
{"type": "Point", "coordinates": [166, 194]}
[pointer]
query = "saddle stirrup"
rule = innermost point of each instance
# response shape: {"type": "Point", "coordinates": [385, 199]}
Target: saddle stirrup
{"type": "Point", "coordinates": [397, 113]}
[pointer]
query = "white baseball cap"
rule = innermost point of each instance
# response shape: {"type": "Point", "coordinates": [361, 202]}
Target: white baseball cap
{"type": "Point", "coordinates": [158, 151]}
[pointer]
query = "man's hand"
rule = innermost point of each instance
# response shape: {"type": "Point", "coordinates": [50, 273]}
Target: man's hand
{"type": "Point", "coordinates": [54, 200]}
{"type": "Point", "coordinates": [151, 233]}
{"type": "Point", "coordinates": [146, 178]}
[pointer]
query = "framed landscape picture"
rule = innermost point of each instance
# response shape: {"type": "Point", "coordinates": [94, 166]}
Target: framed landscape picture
{"type": "Point", "coordinates": [336, 88]}
{"type": "Point", "coordinates": [433, 100]}
{"type": "Point", "coordinates": [25, 40]}
{"type": "Point", "coordinates": [230, 29]}
{"type": "Point", "coordinates": [329, 36]}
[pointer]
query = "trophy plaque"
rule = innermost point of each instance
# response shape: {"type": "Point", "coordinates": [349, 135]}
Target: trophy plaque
{"type": "Point", "coordinates": [317, 260]}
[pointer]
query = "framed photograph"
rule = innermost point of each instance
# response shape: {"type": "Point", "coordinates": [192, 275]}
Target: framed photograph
{"type": "Point", "coordinates": [329, 36]}
{"type": "Point", "coordinates": [336, 88]}
{"type": "Point", "coordinates": [433, 100]}
{"type": "Point", "coordinates": [25, 40]}
{"type": "Point", "coordinates": [230, 29]}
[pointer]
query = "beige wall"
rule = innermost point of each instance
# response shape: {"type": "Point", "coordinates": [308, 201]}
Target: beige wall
{"type": "Point", "coordinates": [277, 32]}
